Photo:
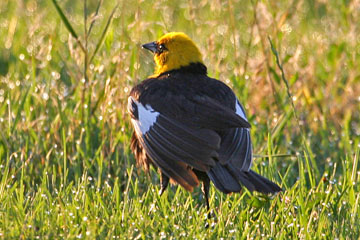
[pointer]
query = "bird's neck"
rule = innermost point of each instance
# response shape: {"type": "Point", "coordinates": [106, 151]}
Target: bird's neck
{"type": "Point", "coordinates": [195, 68]}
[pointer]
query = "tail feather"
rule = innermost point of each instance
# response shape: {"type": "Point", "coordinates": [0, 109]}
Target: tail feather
{"type": "Point", "coordinates": [262, 184]}
{"type": "Point", "coordinates": [223, 179]}
{"type": "Point", "coordinates": [226, 179]}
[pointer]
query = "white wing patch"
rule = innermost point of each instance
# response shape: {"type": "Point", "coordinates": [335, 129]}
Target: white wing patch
{"type": "Point", "coordinates": [247, 163]}
{"type": "Point", "coordinates": [147, 117]}
{"type": "Point", "coordinates": [239, 110]}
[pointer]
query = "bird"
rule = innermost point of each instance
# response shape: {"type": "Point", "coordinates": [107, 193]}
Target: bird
{"type": "Point", "coordinates": [189, 126]}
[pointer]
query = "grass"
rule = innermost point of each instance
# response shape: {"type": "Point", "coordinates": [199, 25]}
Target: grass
{"type": "Point", "coordinates": [66, 170]}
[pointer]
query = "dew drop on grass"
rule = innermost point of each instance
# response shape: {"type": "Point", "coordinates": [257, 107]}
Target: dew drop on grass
{"type": "Point", "coordinates": [162, 235]}
{"type": "Point", "coordinates": [45, 96]}
{"type": "Point", "coordinates": [55, 75]}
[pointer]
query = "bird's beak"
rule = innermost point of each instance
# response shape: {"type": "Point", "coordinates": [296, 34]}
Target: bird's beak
{"type": "Point", "coordinates": [152, 46]}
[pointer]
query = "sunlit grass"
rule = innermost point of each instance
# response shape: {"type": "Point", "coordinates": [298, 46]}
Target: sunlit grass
{"type": "Point", "coordinates": [66, 170]}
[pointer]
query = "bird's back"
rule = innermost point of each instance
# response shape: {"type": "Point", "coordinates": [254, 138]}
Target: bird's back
{"type": "Point", "coordinates": [191, 98]}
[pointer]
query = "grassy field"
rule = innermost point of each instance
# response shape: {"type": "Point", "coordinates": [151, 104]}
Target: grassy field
{"type": "Point", "coordinates": [66, 171]}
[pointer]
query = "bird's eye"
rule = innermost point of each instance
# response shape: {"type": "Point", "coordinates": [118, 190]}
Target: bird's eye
{"type": "Point", "coordinates": [161, 48]}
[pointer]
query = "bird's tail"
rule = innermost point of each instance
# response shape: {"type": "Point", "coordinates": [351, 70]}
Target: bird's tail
{"type": "Point", "coordinates": [227, 178]}
{"type": "Point", "coordinates": [260, 183]}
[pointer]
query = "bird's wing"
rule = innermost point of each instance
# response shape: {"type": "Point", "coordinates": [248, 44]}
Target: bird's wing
{"type": "Point", "coordinates": [213, 115]}
{"type": "Point", "coordinates": [235, 158]}
{"type": "Point", "coordinates": [172, 145]}
{"type": "Point", "coordinates": [236, 147]}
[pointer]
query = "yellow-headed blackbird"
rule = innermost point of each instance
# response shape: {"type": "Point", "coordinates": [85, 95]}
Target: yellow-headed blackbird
{"type": "Point", "coordinates": [190, 126]}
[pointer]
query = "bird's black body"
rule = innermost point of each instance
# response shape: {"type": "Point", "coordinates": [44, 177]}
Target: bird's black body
{"type": "Point", "coordinates": [193, 128]}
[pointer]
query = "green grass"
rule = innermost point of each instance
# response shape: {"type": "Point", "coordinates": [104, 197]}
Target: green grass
{"type": "Point", "coordinates": [66, 170]}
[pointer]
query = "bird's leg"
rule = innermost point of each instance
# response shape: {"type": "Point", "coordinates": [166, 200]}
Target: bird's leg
{"type": "Point", "coordinates": [205, 189]}
{"type": "Point", "coordinates": [164, 182]}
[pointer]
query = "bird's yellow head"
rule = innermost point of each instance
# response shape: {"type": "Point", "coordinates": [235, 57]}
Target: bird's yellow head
{"type": "Point", "coordinates": [173, 51]}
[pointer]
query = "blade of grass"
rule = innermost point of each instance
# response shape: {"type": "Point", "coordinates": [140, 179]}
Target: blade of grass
{"type": "Point", "coordinates": [64, 157]}
{"type": "Point", "coordinates": [94, 17]}
{"type": "Point", "coordinates": [273, 155]}
{"type": "Point", "coordinates": [21, 107]}
{"type": "Point", "coordinates": [126, 198]}
{"type": "Point", "coordinates": [101, 40]}
{"type": "Point", "coordinates": [67, 24]}
{"type": "Point", "coordinates": [101, 96]}
{"type": "Point", "coordinates": [275, 52]}
{"type": "Point", "coordinates": [355, 164]}
{"type": "Point", "coordinates": [85, 62]}
{"type": "Point", "coordinates": [286, 82]}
